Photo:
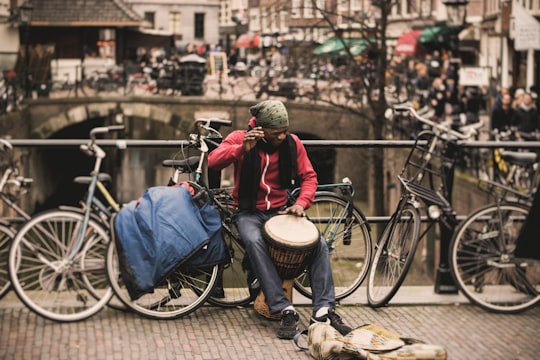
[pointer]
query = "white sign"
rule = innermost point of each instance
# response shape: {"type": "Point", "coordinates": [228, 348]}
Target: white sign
{"type": "Point", "coordinates": [474, 76]}
{"type": "Point", "coordinates": [527, 29]}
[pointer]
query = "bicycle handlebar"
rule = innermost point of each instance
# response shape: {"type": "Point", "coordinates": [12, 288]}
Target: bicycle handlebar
{"type": "Point", "coordinates": [5, 145]}
{"type": "Point", "coordinates": [441, 127]}
{"type": "Point", "coordinates": [210, 122]}
{"type": "Point", "coordinates": [92, 149]}
{"type": "Point", "coordinates": [104, 130]}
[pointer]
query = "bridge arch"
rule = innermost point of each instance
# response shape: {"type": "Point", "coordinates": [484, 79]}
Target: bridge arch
{"type": "Point", "coordinates": [166, 118]}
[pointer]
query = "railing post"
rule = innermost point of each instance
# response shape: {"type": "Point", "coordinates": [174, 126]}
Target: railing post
{"type": "Point", "coordinates": [444, 283]}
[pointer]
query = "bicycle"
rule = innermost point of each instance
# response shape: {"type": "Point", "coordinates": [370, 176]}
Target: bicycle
{"type": "Point", "coordinates": [339, 221]}
{"type": "Point", "coordinates": [57, 258]}
{"type": "Point", "coordinates": [423, 178]}
{"type": "Point", "coordinates": [12, 187]}
{"type": "Point", "coordinates": [514, 168]}
{"type": "Point", "coordinates": [183, 291]}
{"type": "Point", "coordinates": [481, 255]}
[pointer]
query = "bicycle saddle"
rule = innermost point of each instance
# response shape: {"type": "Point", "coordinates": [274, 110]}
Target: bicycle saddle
{"type": "Point", "coordinates": [103, 177]}
{"type": "Point", "coordinates": [185, 165]}
{"type": "Point", "coordinates": [520, 158]}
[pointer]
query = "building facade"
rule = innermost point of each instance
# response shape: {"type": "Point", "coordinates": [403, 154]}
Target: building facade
{"type": "Point", "coordinates": [189, 22]}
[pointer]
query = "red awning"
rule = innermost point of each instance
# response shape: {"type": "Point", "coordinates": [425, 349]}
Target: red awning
{"type": "Point", "coordinates": [247, 41]}
{"type": "Point", "coordinates": [408, 44]}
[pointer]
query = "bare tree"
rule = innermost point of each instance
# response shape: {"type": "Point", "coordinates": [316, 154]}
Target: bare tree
{"type": "Point", "coordinates": [372, 26]}
{"type": "Point", "coordinates": [368, 68]}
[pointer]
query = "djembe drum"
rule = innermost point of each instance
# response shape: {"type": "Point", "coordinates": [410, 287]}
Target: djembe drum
{"type": "Point", "coordinates": [291, 241]}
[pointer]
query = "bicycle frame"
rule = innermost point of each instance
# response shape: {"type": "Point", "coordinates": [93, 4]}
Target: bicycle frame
{"type": "Point", "coordinates": [397, 244]}
{"type": "Point", "coordinates": [334, 213]}
{"type": "Point", "coordinates": [8, 199]}
{"type": "Point", "coordinates": [92, 149]}
{"type": "Point", "coordinates": [346, 189]}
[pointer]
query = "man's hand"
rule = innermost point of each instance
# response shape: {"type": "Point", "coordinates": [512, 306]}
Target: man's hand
{"type": "Point", "coordinates": [251, 137]}
{"type": "Point", "coordinates": [295, 210]}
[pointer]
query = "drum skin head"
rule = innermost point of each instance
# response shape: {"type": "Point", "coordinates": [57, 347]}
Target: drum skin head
{"type": "Point", "coordinates": [292, 231]}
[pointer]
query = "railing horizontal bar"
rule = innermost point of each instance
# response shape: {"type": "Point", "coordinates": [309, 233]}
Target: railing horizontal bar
{"type": "Point", "coordinates": [308, 143]}
{"type": "Point", "coordinates": [384, 219]}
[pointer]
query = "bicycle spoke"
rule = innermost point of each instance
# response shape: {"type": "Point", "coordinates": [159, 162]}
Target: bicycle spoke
{"type": "Point", "coordinates": [51, 281]}
{"type": "Point", "coordinates": [349, 256]}
{"type": "Point", "coordinates": [483, 264]}
{"type": "Point", "coordinates": [394, 255]}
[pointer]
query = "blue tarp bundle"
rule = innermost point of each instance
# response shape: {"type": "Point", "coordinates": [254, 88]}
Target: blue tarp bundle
{"type": "Point", "coordinates": [160, 231]}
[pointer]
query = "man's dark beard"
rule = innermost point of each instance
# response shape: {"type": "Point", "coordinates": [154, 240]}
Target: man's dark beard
{"type": "Point", "coordinates": [266, 146]}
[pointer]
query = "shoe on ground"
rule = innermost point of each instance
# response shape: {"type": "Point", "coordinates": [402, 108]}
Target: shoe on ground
{"type": "Point", "coordinates": [288, 326]}
{"type": "Point", "coordinates": [335, 321]}
{"type": "Point", "coordinates": [217, 292]}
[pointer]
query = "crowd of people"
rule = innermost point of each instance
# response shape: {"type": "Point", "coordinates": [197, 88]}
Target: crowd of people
{"type": "Point", "coordinates": [434, 82]}
{"type": "Point", "coordinates": [516, 110]}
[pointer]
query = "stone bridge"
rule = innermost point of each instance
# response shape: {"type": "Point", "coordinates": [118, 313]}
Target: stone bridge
{"type": "Point", "coordinates": [160, 118]}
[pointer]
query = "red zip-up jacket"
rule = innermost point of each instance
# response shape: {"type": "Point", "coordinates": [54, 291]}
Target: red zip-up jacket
{"type": "Point", "coordinates": [270, 195]}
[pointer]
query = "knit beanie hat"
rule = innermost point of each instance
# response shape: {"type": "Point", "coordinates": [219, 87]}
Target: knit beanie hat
{"type": "Point", "coordinates": [270, 114]}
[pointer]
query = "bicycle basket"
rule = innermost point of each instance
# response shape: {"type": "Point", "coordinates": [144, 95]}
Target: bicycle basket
{"type": "Point", "coordinates": [427, 167]}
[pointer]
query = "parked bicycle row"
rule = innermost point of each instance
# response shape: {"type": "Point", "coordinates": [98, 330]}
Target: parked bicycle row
{"type": "Point", "coordinates": [66, 264]}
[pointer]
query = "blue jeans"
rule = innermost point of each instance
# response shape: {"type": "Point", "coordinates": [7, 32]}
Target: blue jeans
{"type": "Point", "coordinates": [250, 225]}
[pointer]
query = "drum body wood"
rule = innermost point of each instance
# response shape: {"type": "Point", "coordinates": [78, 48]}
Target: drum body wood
{"type": "Point", "coordinates": [291, 241]}
{"type": "Point", "coordinates": [261, 307]}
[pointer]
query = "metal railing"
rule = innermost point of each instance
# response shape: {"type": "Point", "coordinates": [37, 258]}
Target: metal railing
{"type": "Point", "coordinates": [443, 284]}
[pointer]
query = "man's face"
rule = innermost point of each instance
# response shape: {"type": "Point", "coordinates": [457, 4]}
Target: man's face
{"type": "Point", "coordinates": [275, 136]}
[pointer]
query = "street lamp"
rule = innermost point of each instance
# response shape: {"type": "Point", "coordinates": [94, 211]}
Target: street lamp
{"type": "Point", "coordinates": [444, 283]}
{"type": "Point", "coordinates": [25, 15]}
{"type": "Point", "coordinates": [456, 11]}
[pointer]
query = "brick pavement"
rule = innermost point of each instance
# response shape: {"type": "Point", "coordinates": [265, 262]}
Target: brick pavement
{"type": "Point", "coordinates": [465, 330]}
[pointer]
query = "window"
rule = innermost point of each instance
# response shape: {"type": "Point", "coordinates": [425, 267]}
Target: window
{"type": "Point", "coordinates": [150, 16]}
{"type": "Point", "coordinates": [321, 8]}
{"type": "Point", "coordinates": [308, 9]}
{"type": "Point", "coordinates": [273, 19]}
{"type": "Point", "coordinates": [265, 21]}
{"type": "Point", "coordinates": [199, 25]}
{"type": "Point", "coordinates": [295, 9]}
{"type": "Point", "coordinates": [175, 22]}
{"type": "Point", "coordinates": [342, 11]}
{"type": "Point", "coordinates": [283, 21]}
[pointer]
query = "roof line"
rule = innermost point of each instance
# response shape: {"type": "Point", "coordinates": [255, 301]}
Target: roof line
{"type": "Point", "coordinates": [86, 23]}
{"type": "Point", "coordinates": [128, 10]}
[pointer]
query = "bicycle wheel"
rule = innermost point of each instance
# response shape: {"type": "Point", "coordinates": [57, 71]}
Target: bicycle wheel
{"type": "Point", "coordinates": [483, 265]}
{"type": "Point", "coordinates": [349, 257]}
{"type": "Point", "coordinates": [181, 293]}
{"type": "Point", "coordinates": [232, 285]}
{"type": "Point", "coordinates": [6, 235]}
{"type": "Point", "coordinates": [44, 276]}
{"type": "Point", "coordinates": [393, 255]}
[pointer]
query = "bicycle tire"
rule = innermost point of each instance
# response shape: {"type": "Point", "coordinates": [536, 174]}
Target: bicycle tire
{"type": "Point", "coordinates": [232, 285]}
{"type": "Point", "coordinates": [231, 289]}
{"type": "Point", "coordinates": [394, 255]}
{"type": "Point", "coordinates": [482, 262]}
{"type": "Point", "coordinates": [6, 237]}
{"type": "Point", "coordinates": [180, 294]}
{"type": "Point", "coordinates": [46, 281]}
{"type": "Point", "coordinates": [349, 259]}
{"type": "Point", "coordinates": [101, 218]}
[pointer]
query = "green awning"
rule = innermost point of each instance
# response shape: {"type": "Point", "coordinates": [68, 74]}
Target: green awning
{"type": "Point", "coordinates": [331, 46]}
{"type": "Point", "coordinates": [437, 34]}
{"type": "Point", "coordinates": [357, 47]}
{"type": "Point", "coordinates": [337, 47]}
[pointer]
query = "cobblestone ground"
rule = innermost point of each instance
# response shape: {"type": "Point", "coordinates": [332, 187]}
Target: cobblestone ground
{"type": "Point", "coordinates": [466, 331]}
